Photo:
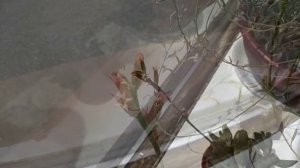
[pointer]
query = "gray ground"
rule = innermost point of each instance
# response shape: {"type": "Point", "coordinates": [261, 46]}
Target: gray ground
{"type": "Point", "coordinates": [37, 34]}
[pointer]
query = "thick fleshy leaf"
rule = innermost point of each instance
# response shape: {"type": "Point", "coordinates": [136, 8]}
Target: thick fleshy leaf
{"type": "Point", "coordinates": [227, 131]}
{"type": "Point", "coordinates": [257, 136]}
{"type": "Point", "coordinates": [241, 141]}
{"type": "Point", "coordinates": [213, 136]}
{"type": "Point", "coordinates": [226, 135]}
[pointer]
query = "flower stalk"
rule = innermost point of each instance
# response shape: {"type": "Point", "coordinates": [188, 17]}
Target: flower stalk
{"type": "Point", "coordinates": [128, 100]}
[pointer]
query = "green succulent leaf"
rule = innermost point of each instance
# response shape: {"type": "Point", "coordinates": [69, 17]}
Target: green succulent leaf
{"type": "Point", "coordinates": [226, 135]}
{"type": "Point", "coordinates": [227, 132]}
{"type": "Point", "coordinates": [241, 141]}
{"type": "Point", "coordinates": [257, 136]}
{"type": "Point", "coordinates": [213, 136]}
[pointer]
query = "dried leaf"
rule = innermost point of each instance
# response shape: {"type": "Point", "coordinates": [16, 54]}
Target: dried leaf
{"type": "Point", "coordinates": [136, 82]}
{"type": "Point", "coordinates": [139, 74]}
{"type": "Point", "coordinates": [140, 61]}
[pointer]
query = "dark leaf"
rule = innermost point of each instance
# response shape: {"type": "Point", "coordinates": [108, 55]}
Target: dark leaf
{"type": "Point", "coordinates": [294, 136]}
{"type": "Point", "coordinates": [226, 133]}
{"type": "Point", "coordinates": [156, 76]}
{"type": "Point", "coordinates": [257, 136]}
{"type": "Point", "coordinates": [138, 74]}
{"type": "Point", "coordinates": [140, 60]}
{"type": "Point", "coordinates": [281, 128]}
{"type": "Point", "coordinates": [241, 140]}
{"type": "Point", "coordinates": [213, 136]}
{"type": "Point", "coordinates": [268, 134]}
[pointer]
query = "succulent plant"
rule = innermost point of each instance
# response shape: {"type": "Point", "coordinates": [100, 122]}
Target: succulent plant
{"type": "Point", "coordinates": [240, 150]}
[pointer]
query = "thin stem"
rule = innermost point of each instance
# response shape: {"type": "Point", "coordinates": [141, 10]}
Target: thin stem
{"type": "Point", "coordinates": [178, 24]}
{"type": "Point", "coordinates": [295, 153]}
{"type": "Point", "coordinates": [196, 17]}
{"type": "Point", "coordinates": [145, 124]}
{"type": "Point", "coordinates": [159, 89]}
